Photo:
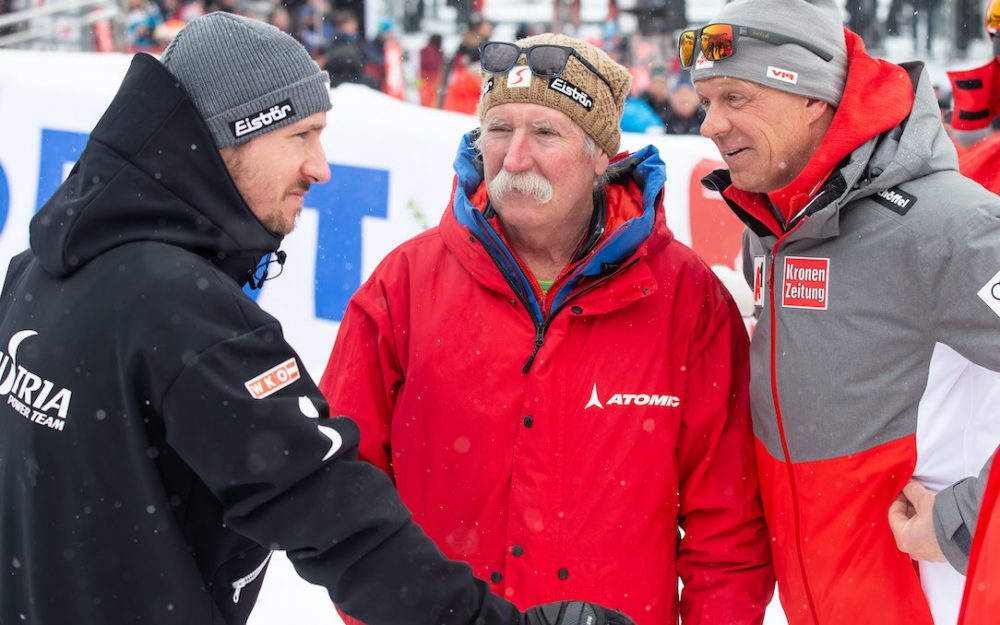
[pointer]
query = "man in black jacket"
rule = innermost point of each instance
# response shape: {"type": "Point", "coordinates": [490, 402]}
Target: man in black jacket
{"type": "Point", "coordinates": [159, 436]}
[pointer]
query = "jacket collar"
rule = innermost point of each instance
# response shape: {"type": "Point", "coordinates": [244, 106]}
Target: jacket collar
{"type": "Point", "coordinates": [877, 98]}
{"type": "Point", "coordinates": [634, 227]}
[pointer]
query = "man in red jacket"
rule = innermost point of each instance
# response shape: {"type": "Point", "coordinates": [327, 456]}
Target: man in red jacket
{"type": "Point", "coordinates": [556, 385]}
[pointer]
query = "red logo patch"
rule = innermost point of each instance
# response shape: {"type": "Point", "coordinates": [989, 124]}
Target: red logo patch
{"type": "Point", "coordinates": [273, 380]}
{"type": "Point", "coordinates": [806, 283]}
{"type": "Point", "coordinates": [759, 267]}
{"type": "Point", "coordinates": [783, 75]}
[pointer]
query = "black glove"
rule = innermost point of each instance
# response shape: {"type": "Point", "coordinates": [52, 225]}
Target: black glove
{"type": "Point", "coordinates": [574, 613]}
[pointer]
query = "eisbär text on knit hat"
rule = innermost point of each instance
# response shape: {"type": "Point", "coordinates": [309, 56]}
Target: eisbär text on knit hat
{"type": "Point", "coordinates": [246, 78]}
{"type": "Point", "coordinates": [578, 92]}
{"type": "Point", "coordinates": [787, 67]}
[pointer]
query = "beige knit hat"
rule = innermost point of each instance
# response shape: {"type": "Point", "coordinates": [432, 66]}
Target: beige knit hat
{"type": "Point", "coordinates": [578, 92]}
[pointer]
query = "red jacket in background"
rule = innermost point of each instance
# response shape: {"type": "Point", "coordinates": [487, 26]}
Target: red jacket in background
{"type": "Point", "coordinates": [981, 602]}
{"type": "Point", "coordinates": [569, 474]}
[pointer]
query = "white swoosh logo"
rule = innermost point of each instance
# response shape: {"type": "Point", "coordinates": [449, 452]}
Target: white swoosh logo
{"type": "Point", "coordinates": [12, 345]}
{"type": "Point", "coordinates": [308, 408]}
{"type": "Point", "coordinates": [335, 440]}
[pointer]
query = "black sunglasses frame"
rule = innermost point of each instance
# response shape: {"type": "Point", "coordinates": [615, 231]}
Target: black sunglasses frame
{"type": "Point", "coordinates": [746, 31]}
{"type": "Point", "coordinates": [570, 52]}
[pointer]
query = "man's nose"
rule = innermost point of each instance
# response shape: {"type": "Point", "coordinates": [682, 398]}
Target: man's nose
{"type": "Point", "coordinates": [715, 124]}
{"type": "Point", "coordinates": [316, 167]}
{"type": "Point", "coordinates": [519, 156]}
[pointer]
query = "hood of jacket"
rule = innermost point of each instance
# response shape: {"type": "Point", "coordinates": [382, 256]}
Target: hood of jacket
{"type": "Point", "coordinates": [149, 172]}
{"type": "Point", "coordinates": [634, 224]}
{"type": "Point", "coordinates": [887, 130]}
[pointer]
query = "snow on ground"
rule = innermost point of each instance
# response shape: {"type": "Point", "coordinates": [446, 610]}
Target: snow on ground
{"type": "Point", "coordinates": [286, 598]}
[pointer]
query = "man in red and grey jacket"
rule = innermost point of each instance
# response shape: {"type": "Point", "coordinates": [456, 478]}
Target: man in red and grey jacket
{"type": "Point", "coordinates": [876, 273]}
{"type": "Point", "coordinates": [556, 385]}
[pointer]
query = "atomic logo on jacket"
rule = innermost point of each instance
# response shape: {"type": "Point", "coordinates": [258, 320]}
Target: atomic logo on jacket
{"type": "Point", "coordinates": [632, 399]}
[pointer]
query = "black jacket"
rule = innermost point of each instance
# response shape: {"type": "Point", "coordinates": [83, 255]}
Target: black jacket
{"type": "Point", "coordinates": [146, 467]}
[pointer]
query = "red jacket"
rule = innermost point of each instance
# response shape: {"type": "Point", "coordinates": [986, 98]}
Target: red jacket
{"type": "Point", "coordinates": [981, 601]}
{"type": "Point", "coordinates": [565, 475]}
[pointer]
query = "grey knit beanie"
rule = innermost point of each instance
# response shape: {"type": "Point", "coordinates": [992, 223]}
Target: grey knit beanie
{"type": "Point", "coordinates": [245, 77]}
{"type": "Point", "coordinates": [786, 67]}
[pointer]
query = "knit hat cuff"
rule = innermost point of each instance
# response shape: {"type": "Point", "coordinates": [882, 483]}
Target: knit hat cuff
{"type": "Point", "coordinates": [238, 125]}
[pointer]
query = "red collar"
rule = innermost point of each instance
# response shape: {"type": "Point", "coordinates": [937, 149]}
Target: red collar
{"type": "Point", "coordinates": [878, 96]}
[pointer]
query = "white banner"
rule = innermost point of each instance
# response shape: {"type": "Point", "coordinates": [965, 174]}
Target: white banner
{"type": "Point", "coordinates": [391, 178]}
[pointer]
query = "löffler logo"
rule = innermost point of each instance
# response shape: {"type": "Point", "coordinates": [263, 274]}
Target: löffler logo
{"type": "Point", "coordinates": [806, 283]}
{"type": "Point", "coordinates": [29, 394]}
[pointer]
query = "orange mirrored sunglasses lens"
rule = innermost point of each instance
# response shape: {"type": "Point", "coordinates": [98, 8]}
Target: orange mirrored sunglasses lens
{"type": "Point", "coordinates": [993, 18]}
{"type": "Point", "coordinates": [685, 47]}
{"type": "Point", "coordinates": [717, 41]}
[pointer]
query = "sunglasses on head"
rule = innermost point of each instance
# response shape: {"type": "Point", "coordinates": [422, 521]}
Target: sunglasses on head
{"type": "Point", "coordinates": [718, 41]}
{"type": "Point", "coordinates": [546, 60]}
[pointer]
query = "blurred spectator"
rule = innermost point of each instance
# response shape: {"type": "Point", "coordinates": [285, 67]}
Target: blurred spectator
{"type": "Point", "coordinates": [638, 116]}
{"type": "Point", "coordinates": [314, 29]}
{"type": "Point", "coordinates": [384, 60]}
{"type": "Point", "coordinates": [684, 116]}
{"type": "Point", "coordinates": [657, 94]}
{"type": "Point", "coordinates": [343, 57]}
{"type": "Point", "coordinates": [524, 29]}
{"type": "Point", "coordinates": [141, 22]}
{"type": "Point", "coordinates": [464, 86]}
{"type": "Point", "coordinates": [431, 68]}
{"type": "Point", "coordinates": [280, 19]}
{"type": "Point", "coordinates": [480, 30]}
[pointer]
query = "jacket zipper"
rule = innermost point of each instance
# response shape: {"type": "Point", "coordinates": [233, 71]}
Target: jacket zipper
{"type": "Point", "coordinates": [247, 579]}
{"type": "Point", "coordinates": [781, 427]}
{"type": "Point", "coordinates": [541, 329]}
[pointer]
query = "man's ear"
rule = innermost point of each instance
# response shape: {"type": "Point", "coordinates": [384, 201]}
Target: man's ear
{"type": "Point", "coordinates": [601, 162]}
{"type": "Point", "coordinates": [816, 109]}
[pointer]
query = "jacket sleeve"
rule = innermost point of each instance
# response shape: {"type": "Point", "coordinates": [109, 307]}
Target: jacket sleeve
{"type": "Point", "coordinates": [956, 509]}
{"type": "Point", "coordinates": [248, 420]}
{"type": "Point", "coordinates": [964, 285]}
{"type": "Point", "coordinates": [724, 558]}
{"type": "Point", "coordinates": [363, 375]}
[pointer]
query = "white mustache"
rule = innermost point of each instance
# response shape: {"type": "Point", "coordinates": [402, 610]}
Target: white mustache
{"type": "Point", "coordinates": [528, 183]}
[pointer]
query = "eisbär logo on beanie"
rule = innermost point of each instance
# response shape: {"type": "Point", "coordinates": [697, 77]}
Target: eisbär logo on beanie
{"type": "Point", "coordinates": [262, 119]}
{"type": "Point", "coordinates": [245, 77]}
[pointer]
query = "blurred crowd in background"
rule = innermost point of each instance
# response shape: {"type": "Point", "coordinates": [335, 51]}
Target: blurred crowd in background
{"type": "Point", "coordinates": [427, 51]}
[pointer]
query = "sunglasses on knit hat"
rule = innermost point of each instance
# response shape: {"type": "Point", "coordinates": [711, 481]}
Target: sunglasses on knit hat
{"type": "Point", "coordinates": [718, 41]}
{"type": "Point", "coordinates": [545, 60]}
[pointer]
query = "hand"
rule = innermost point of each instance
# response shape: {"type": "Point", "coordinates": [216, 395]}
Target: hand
{"type": "Point", "coordinates": [911, 518]}
{"type": "Point", "coordinates": [574, 613]}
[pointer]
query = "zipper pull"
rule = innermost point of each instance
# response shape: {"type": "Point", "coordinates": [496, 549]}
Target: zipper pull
{"type": "Point", "coordinates": [539, 341]}
{"type": "Point", "coordinates": [246, 580]}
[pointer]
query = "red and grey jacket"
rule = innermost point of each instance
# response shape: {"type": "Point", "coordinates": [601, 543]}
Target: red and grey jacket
{"type": "Point", "coordinates": [559, 443]}
{"type": "Point", "coordinates": [874, 353]}
{"type": "Point", "coordinates": [981, 602]}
